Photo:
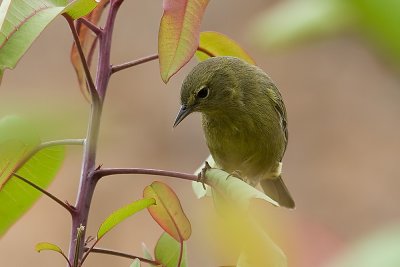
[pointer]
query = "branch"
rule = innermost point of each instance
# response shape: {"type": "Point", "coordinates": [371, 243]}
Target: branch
{"type": "Point", "coordinates": [133, 63]}
{"type": "Point", "coordinates": [96, 30]}
{"type": "Point", "coordinates": [53, 197]}
{"type": "Point", "coordinates": [87, 250]}
{"type": "Point", "coordinates": [92, 87]}
{"type": "Point", "coordinates": [46, 145]}
{"type": "Point", "coordinates": [205, 51]}
{"type": "Point", "coordinates": [113, 171]}
{"type": "Point", "coordinates": [121, 254]}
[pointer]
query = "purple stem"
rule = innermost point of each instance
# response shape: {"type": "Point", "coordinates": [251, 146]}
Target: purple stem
{"type": "Point", "coordinates": [133, 63]}
{"type": "Point", "coordinates": [87, 182]}
{"type": "Point", "coordinates": [90, 25]}
{"type": "Point", "coordinates": [121, 254]}
{"type": "Point", "coordinates": [113, 171]}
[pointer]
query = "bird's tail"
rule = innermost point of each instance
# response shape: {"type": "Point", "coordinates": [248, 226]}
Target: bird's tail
{"type": "Point", "coordinates": [276, 189]}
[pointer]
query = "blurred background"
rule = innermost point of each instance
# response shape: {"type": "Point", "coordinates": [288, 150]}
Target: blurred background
{"type": "Point", "coordinates": [337, 66]}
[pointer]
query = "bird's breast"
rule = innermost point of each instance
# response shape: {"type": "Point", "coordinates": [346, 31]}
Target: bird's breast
{"type": "Point", "coordinates": [241, 145]}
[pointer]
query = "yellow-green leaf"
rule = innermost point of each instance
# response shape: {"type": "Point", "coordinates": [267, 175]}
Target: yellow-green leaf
{"type": "Point", "coordinates": [168, 211]}
{"type": "Point", "coordinates": [80, 8]}
{"type": "Point", "coordinates": [52, 247]}
{"type": "Point", "coordinates": [47, 246]}
{"type": "Point", "coordinates": [178, 37]}
{"type": "Point", "coordinates": [18, 142]}
{"type": "Point", "coordinates": [260, 250]}
{"type": "Point", "coordinates": [121, 214]}
{"type": "Point", "coordinates": [217, 44]}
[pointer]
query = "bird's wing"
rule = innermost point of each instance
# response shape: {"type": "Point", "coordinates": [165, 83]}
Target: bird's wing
{"type": "Point", "coordinates": [280, 109]}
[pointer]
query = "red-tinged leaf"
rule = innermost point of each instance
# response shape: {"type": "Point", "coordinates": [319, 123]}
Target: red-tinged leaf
{"type": "Point", "coordinates": [88, 42]}
{"type": "Point", "coordinates": [178, 37]}
{"type": "Point", "coordinates": [214, 44]}
{"type": "Point", "coordinates": [168, 211]}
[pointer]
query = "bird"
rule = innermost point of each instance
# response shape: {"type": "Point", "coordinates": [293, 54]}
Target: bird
{"type": "Point", "coordinates": [244, 121]}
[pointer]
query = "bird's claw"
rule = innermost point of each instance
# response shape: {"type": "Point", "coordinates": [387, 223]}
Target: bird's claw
{"type": "Point", "coordinates": [202, 175]}
{"type": "Point", "coordinates": [236, 174]}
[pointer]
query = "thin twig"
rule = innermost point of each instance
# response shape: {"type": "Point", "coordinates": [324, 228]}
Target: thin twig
{"type": "Point", "coordinates": [205, 51]}
{"type": "Point", "coordinates": [113, 171]}
{"type": "Point", "coordinates": [87, 250]}
{"type": "Point", "coordinates": [121, 254]}
{"type": "Point", "coordinates": [133, 63]}
{"type": "Point", "coordinates": [62, 142]}
{"type": "Point", "coordinates": [89, 79]}
{"type": "Point", "coordinates": [46, 145]}
{"type": "Point", "coordinates": [90, 25]}
{"type": "Point", "coordinates": [53, 197]}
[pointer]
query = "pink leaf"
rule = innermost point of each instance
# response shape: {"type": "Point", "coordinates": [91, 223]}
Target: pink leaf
{"type": "Point", "coordinates": [178, 37]}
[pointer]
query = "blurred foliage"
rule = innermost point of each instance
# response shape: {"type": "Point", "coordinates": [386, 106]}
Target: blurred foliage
{"type": "Point", "coordinates": [378, 249]}
{"type": "Point", "coordinates": [293, 22]}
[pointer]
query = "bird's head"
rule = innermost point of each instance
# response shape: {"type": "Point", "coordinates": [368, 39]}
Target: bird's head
{"type": "Point", "coordinates": [211, 87]}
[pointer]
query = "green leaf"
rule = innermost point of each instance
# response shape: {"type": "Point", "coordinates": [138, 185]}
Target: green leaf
{"type": "Point", "coordinates": [146, 253]}
{"type": "Point", "coordinates": [21, 22]}
{"type": "Point", "coordinates": [121, 214]}
{"type": "Point", "coordinates": [377, 249]}
{"type": "Point", "coordinates": [135, 263]}
{"type": "Point", "coordinates": [48, 246]}
{"type": "Point", "coordinates": [17, 143]}
{"type": "Point", "coordinates": [52, 247]}
{"type": "Point", "coordinates": [80, 8]}
{"type": "Point", "coordinates": [217, 44]}
{"type": "Point", "coordinates": [167, 251]}
{"type": "Point", "coordinates": [379, 21]}
{"type": "Point", "coordinates": [232, 189]}
{"type": "Point", "coordinates": [178, 37]}
{"type": "Point", "coordinates": [293, 22]}
{"type": "Point", "coordinates": [168, 211]}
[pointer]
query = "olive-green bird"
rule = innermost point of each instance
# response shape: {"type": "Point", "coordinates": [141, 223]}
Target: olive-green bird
{"type": "Point", "coordinates": [244, 121]}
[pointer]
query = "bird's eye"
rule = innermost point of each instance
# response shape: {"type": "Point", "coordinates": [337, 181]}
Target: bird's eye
{"type": "Point", "coordinates": [203, 93]}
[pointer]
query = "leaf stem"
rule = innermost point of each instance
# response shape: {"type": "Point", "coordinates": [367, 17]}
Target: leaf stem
{"type": "Point", "coordinates": [87, 250]}
{"type": "Point", "coordinates": [69, 208]}
{"type": "Point", "coordinates": [133, 63]}
{"type": "Point", "coordinates": [46, 145]}
{"type": "Point", "coordinates": [180, 253]}
{"type": "Point", "coordinates": [89, 79]}
{"type": "Point", "coordinates": [113, 171]}
{"type": "Point", "coordinates": [88, 182]}
{"type": "Point", "coordinates": [90, 25]}
{"type": "Point", "coordinates": [121, 254]}
{"type": "Point", "coordinates": [205, 51]}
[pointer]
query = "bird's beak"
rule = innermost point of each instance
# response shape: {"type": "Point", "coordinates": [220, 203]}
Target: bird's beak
{"type": "Point", "coordinates": [183, 112]}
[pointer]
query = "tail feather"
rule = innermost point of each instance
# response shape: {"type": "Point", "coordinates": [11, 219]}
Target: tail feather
{"type": "Point", "coordinates": [277, 190]}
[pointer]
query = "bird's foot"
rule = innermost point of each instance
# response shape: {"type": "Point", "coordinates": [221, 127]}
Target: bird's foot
{"type": "Point", "coordinates": [202, 175]}
{"type": "Point", "coordinates": [236, 174]}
